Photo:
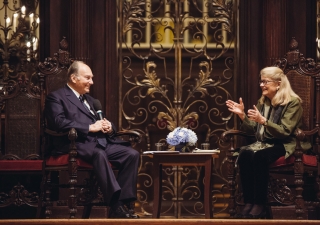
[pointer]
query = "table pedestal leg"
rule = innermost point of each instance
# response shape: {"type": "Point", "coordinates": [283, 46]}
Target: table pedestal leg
{"type": "Point", "coordinates": [157, 188]}
{"type": "Point", "coordinates": [207, 190]}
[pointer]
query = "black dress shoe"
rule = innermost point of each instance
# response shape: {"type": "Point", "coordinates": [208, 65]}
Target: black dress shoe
{"type": "Point", "coordinates": [130, 207]}
{"type": "Point", "coordinates": [133, 214]}
{"type": "Point", "coordinates": [120, 212]}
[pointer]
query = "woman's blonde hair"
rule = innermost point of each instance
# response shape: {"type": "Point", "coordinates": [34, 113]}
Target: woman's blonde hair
{"type": "Point", "coordinates": [285, 92]}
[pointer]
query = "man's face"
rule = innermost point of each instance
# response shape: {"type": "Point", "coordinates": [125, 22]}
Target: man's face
{"type": "Point", "coordinates": [83, 81]}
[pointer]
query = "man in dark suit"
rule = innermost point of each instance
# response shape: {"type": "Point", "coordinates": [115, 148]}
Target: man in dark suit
{"type": "Point", "coordinates": [95, 142]}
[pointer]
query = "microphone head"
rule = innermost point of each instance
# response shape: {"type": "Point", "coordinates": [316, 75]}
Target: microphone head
{"type": "Point", "coordinates": [97, 105]}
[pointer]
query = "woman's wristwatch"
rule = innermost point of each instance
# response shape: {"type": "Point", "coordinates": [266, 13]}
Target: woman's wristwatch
{"type": "Point", "coordinates": [265, 122]}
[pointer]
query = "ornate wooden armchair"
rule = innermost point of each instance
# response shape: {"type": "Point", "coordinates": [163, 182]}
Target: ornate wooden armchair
{"type": "Point", "coordinates": [289, 177]}
{"type": "Point", "coordinates": [53, 75]}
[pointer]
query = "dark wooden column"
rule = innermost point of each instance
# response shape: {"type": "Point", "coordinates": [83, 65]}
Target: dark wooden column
{"type": "Point", "coordinates": [53, 26]}
{"type": "Point", "coordinates": [283, 20]}
{"type": "Point", "coordinates": [274, 31]}
{"type": "Point", "coordinates": [79, 30]}
{"type": "Point", "coordinates": [249, 51]}
{"type": "Point", "coordinates": [301, 24]}
{"type": "Point", "coordinates": [97, 50]}
{"type": "Point", "coordinates": [111, 62]}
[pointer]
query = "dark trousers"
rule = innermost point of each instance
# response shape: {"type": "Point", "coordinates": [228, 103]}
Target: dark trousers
{"type": "Point", "coordinates": [125, 159]}
{"type": "Point", "coordinates": [254, 172]}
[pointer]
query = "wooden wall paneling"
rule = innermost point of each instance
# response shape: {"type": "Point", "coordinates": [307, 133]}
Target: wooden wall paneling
{"type": "Point", "coordinates": [111, 63]}
{"type": "Point", "coordinates": [249, 51]}
{"type": "Point", "coordinates": [301, 24]}
{"type": "Point", "coordinates": [296, 23]}
{"type": "Point", "coordinates": [274, 31]}
{"type": "Point", "coordinates": [53, 26]}
{"type": "Point", "coordinates": [97, 49]}
{"type": "Point", "coordinates": [311, 29]}
{"type": "Point", "coordinates": [79, 32]}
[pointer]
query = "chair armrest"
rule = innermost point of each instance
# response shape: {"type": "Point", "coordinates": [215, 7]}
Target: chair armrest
{"type": "Point", "coordinates": [301, 134]}
{"type": "Point", "coordinates": [71, 134]}
{"type": "Point", "coordinates": [132, 135]}
{"type": "Point", "coordinates": [54, 133]}
{"type": "Point", "coordinates": [227, 135]}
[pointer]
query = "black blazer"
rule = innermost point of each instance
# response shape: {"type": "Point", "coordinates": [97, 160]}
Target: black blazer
{"type": "Point", "coordinates": [63, 111]}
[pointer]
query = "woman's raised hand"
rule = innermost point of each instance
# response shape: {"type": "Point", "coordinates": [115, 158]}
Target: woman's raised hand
{"type": "Point", "coordinates": [237, 108]}
{"type": "Point", "coordinates": [255, 115]}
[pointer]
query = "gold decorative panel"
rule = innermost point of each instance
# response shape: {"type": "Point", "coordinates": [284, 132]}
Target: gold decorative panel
{"type": "Point", "coordinates": [176, 68]}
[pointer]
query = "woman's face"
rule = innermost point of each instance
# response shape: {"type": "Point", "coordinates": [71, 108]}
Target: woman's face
{"type": "Point", "coordinates": [269, 87]}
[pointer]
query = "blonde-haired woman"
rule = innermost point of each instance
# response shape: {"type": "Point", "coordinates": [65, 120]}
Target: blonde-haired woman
{"type": "Point", "coordinates": [274, 120]}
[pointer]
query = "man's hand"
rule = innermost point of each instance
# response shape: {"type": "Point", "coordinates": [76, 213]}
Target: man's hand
{"type": "Point", "coordinates": [107, 126]}
{"type": "Point", "coordinates": [101, 125]}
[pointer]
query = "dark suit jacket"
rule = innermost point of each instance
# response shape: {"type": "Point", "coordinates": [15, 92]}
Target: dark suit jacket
{"type": "Point", "coordinates": [63, 111]}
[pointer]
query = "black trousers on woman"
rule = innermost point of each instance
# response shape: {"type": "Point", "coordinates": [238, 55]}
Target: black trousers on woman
{"type": "Point", "coordinates": [254, 172]}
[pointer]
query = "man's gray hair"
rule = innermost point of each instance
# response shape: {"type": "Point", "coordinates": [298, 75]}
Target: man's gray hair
{"type": "Point", "coordinates": [74, 68]}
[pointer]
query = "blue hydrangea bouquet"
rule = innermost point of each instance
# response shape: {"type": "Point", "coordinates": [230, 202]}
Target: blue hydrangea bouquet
{"type": "Point", "coordinates": [182, 138]}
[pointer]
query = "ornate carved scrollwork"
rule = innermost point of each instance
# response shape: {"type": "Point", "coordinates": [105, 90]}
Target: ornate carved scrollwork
{"type": "Point", "coordinates": [19, 196]}
{"type": "Point", "coordinates": [279, 191]}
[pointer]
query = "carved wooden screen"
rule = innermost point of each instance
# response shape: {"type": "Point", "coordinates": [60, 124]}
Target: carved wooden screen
{"type": "Point", "coordinates": [55, 69]}
{"type": "Point", "coordinates": [176, 65]}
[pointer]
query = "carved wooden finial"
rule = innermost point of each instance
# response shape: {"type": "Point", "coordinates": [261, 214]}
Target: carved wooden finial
{"type": "Point", "coordinates": [64, 44]}
{"type": "Point", "coordinates": [293, 45]}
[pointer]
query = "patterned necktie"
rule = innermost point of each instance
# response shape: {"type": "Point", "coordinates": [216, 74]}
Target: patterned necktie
{"type": "Point", "coordinates": [81, 98]}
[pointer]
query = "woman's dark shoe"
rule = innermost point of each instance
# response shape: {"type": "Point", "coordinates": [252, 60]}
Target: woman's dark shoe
{"type": "Point", "coordinates": [245, 211]}
{"type": "Point", "coordinates": [257, 212]}
{"type": "Point", "coordinates": [262, 215]}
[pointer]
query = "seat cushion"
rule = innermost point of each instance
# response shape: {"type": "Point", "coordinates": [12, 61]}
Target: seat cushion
{"type": "Point", "coordinates": [308, 160]}
{"type": "Point", "coordinates": [20, 165]}
{"type": "Point", "coordinates": [62, 160]}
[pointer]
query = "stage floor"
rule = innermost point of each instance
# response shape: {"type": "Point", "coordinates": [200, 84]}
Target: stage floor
{"type": "Point", "coordinates": [154, 222]}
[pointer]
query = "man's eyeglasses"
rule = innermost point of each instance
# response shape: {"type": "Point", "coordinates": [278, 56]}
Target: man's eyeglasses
{"type": "Point", "coordinates": [265, 82]}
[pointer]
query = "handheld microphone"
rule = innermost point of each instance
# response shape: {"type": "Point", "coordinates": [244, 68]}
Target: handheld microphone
{"type": "Point", "coordinates": [97, 106]}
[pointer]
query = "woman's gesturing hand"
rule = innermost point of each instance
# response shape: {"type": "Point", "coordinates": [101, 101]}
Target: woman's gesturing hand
{"type": "Point", "coordinates": [237, 108]}
{"type": "Point", "coordinates": [255, 115]}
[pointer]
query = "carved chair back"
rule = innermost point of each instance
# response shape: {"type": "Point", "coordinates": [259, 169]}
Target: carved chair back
{"type": "Point", "coordinates": [304, 76]}
{"type": "Point", "coordinates": [52, 75]}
